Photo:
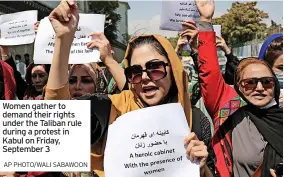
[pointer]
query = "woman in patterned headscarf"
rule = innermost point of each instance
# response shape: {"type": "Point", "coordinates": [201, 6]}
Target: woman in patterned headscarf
{"type": "Point", "coordinates": [86, 79]}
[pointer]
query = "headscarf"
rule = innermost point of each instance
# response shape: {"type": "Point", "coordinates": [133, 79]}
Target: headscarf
{"type": "Point", "coordinates": [269, 123]}
{"type": "Point", "coordinates": [96, 73]}
{"type": "Point", "coordinates": [128, 100]}
{"type": "Point", "coordinates": [266, 43]}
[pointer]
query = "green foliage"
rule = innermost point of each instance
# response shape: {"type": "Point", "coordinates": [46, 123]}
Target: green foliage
{"type": "Point", "coordinates": [112, 18]}
{"type": "Point", "coordinates": [173, 41]}
{"type": "Point", "coordinates": [242, 23]}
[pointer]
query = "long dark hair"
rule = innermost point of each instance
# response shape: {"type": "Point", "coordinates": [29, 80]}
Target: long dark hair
{"type": "Point", "coordinates": [31, 91]}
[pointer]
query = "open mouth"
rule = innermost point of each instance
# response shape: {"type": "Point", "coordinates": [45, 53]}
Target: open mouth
{"type": "Point", "coordinates": [150, 90]}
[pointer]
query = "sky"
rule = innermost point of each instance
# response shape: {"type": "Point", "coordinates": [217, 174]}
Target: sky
{"type": "Point", "coordinates": [144, 16]}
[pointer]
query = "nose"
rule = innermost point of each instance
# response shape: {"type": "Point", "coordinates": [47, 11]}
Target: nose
{"type": "Point", "coordinates": [37, 79]}
{"type": "Point", "coordinates": [78, 85]}
{"type": "Point", "coordinates": [259, 87]}
{"type": "Point", "coordinates": [145, 76]}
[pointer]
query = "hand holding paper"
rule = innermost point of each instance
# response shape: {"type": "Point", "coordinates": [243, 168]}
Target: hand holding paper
{"type": "Point", "coordinates": [191, 33]}
{"type": "Point", "coordinates": [205, 9]}
{"type": "Point", "coordinates": [101, 42]}
{"type": "Point", "coordinates": [196, 150]}
{"type": "Point", "coordinates": [64, 18]}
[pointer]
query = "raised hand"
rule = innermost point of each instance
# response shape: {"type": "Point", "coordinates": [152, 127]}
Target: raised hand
{"type": "Point", "coordinates": [64, 19]}
{"type": "Point", "coordinates": [191, 33]}
{"type": "Point", "coordinates": [220, 42]}
{"type": "Point", "coordinates": [36, 26]}
{"type": "Point", "coordinates": [101, 42]}
{"type": "Point", "coordinates": [206, 9]}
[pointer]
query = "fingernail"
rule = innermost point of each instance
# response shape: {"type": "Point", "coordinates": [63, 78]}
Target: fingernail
{"type": "Point", "coordinates": [69, 15]}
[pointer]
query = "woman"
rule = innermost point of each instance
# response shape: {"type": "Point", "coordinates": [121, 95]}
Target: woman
{"type": "Point", "coordinates": [36, 78]}
{"type": "Point", "coordinates": [164, 83]}
{"type": "Point", "coordinates": [86, 79]}
{"type": "Point", "coordinates": [243, 137]}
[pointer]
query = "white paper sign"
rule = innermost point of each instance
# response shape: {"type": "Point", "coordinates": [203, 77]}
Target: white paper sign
{"type": "Point", "coordinates": [175, 12]}
{"type": "Point", "coordinates": [217, 29]}
{"type": "Point", "coordinates": [149, 142]}
{"type": "Point", "coordinates": [18, 28]}
{"type": "Point", "coordinates": [79, 53]}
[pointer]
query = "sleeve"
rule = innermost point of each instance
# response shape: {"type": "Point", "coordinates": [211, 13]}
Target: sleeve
{"type": "Point", "coordinates": [206, 136]}
{"type": "Point", "coordinates": [61, 93]}
{"type": "Point", "coordinates": [231, 67]}
{"type": "Point", "coordinates": [20, 82]}
{"type": "Point", "coordinates": [195, 88]}
{"type": "Point", "coordinates": [215, 92]}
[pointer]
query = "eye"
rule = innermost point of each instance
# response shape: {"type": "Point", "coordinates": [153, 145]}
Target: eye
{"type": "Point", "coordinates": [154, 65]}
{"type": "Point", "coordinates": [250, 81]}
{"type": "Point", "coordinates": [87, 80]}
{"type": "Point", "coordinates": [72, 80]}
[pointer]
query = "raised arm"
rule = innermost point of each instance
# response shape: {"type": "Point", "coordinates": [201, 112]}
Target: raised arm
{"type": "Point", "coordinates": [215, 92]}
{"type": "Point", "coordinates": [64, 20]}
{"type": "Point", "coordinates": [102, 43]}
{"type": "Point", "coordinates": [232, 61]}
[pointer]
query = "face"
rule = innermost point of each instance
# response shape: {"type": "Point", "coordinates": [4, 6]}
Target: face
{"type": "Point", "coordinates": [151, 92]}
{"type": "Point", "coordinates": [278, 64]}
{"type": "Point", "coordinates": [80, 82]}
{"type": "Point", "coordinates": [39, 77]}
{"type": "Point", "coordinates": [261, 94]}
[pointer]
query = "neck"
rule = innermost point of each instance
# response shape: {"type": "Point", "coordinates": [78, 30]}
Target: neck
{"type": "Point", "coordinates": [270, 104]}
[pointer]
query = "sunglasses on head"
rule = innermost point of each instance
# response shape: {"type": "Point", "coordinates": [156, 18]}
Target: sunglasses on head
{"type": "Point", "coordinates": [155, 70]}
{"type": "Point", "coordinates": [251, 83]}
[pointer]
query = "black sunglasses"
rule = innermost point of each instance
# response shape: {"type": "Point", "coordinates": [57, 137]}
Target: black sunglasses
{"type": "Point", "coordinates": [155, 70]}
{"type": "Point", "coordinates": [251, 83]}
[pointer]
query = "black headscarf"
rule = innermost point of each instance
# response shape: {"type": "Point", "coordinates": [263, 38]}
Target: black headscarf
{"type": "Point", "coordinates": [269, 123]}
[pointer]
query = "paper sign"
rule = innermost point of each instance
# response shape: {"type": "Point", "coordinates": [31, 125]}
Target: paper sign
{"type": "Point", "coordinates": [79, 53]}
{"type": "Point", "coordinates": [176, 12]}
{"type": "Point", "coordinates": [149, 142]}
{"type": "Point", "coordinates": [217, 29]}
{"type": "Point", "coordinates": [18, 28]}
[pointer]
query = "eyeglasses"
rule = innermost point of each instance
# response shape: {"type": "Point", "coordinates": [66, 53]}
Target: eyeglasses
{"type": "Point", "coordinates": [251, 83]}
{"type": "Point", "coordinates": [155, 70]}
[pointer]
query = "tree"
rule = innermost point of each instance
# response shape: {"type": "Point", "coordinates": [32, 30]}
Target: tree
{"type": "Point", "coordinates": [112, 18]}
{"type": "Point", "coordinates": [242, 23]}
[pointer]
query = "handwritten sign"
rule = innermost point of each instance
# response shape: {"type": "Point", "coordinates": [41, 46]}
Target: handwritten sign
{"type": "Point", "coordinates": [217, 29]}
{"type": "Point", "coordinates": [18, 28]}
{"type": "Point", "coordinates": [175, 12]}
{"type": "Point", "coordinates": [149, 142]}
{"type": "Point", "coordinates": [79, 53]}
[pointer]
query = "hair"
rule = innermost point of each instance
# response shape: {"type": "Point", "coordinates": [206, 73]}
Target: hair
{"type": "Point", "coordinates": [150, 40]}
{"type": "Point", "coordinates": [30, 91]}
{"type": "Point", "coordinates": [274, 50]}
{"type": "Point", "coordinates": [246, 62]}
{"type": "Point", "coordinates": [18, 56]}
{"type": "Point", "coordinates": [146, 40]}
{"type": "Point", "coordinates": [26, 55]}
